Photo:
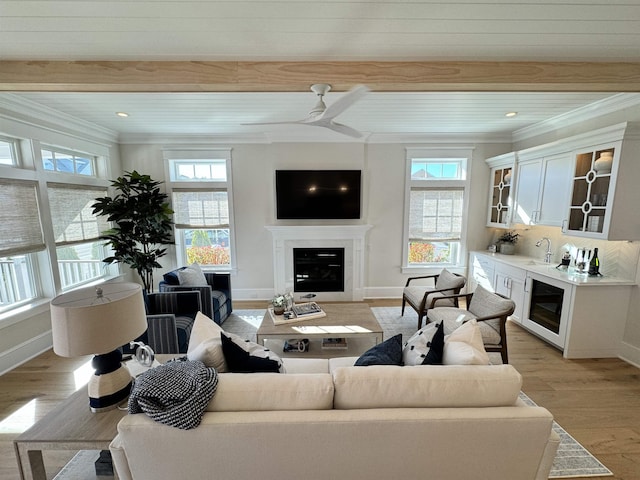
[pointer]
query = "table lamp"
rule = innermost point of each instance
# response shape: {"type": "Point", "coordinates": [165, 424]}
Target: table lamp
{"type": "Point", "coordinates": [98, 320]}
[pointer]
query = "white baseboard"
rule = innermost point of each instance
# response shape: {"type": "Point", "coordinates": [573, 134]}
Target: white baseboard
{"type": "Point", "coordinates": [383, 292]}
{"type": "Point", "coordinates": [630, 354]}
{"type": "Point", "coordinates": [252, 294]}
{"type": "Point", "coordinates": [267, 293]}
{"type": "Point", "coordinates": [16, 356]}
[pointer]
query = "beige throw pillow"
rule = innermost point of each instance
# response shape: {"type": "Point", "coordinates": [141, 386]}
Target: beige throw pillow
{"type": "Point", "coordinates": [205, 343]}
{"type": "Point", "coordinates": [464, 346]}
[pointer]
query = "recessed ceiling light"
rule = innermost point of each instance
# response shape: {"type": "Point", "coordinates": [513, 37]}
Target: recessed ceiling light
{"type": "Point", "coordinates": [122, 114]}
{"type": "Point", "coordinates": [510, 114]}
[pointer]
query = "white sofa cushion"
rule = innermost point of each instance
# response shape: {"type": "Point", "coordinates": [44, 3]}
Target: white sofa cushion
{"type": "Point", "coordinates": [425, 386]}
{"type": "Point", "coordinates": [238, 392]}
{"type": "Point", "coordinates": [306, 365]}
{"type": "Point", "coordinates": [337, 362]}
{"type": "Point", "coordinates": [205, 343]}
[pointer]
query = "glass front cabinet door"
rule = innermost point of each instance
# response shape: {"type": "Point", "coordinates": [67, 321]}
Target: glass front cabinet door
{"type": "Point", "coordinates": [500, 192]}
{"type": "Point", "coordinates": [594, 176]}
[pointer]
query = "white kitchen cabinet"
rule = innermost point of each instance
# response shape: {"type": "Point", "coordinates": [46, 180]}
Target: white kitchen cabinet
{"type": "Point", "coordinates": [510, 282]}
{"type": "Point", "coordinates": [481, 272]}
{"type": "Point", "coordinates": [604, 201]}
{"type": "Point", "coordinates": [582, 316]}
{"type": "Point", "coordinates": [500, 190]}
{"type": "Point", "coordinates": [498, 277]}
{"type": "Point", "coordinates": [541, 190]}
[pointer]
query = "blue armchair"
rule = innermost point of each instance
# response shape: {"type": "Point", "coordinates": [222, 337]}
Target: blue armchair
{"type": "Point", "coordinates": [170, 315]}
{"type": "Point", "coordinates": [215, 296]}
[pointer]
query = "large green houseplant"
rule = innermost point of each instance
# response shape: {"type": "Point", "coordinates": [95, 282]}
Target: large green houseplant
{"type": "Point", "coordinates": [142, 224]}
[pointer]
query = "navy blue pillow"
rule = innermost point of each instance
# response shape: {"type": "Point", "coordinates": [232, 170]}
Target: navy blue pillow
{"type": "Point", "coordinates": [436, 347]}
{"type": "Point", "coordinates": [241, 360]}
{"type": "Point", "coordinates": [172, 277]}
{"type": "Point", "coordinates": [388, 352]}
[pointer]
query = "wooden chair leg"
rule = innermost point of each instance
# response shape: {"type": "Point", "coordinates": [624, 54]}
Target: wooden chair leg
{"type": "Point", "coordinates": [420, 316]}
{"type": "Point", "coordinates": [404, 301]}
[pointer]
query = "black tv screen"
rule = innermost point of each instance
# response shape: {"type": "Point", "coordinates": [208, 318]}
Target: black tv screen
{"type": "Point", "coordinates": [317, 194]}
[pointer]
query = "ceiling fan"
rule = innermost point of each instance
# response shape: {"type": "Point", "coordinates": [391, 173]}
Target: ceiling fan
{"type": "Point", "coordinates": [322, 116]}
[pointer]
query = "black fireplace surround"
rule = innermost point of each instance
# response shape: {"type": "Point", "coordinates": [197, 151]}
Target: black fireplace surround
{"type": "Point", "coordinates": [318, 269]}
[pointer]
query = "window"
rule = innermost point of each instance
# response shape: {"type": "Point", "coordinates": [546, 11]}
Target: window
{"type": "Point", "coordinates": [198, 170]}
{"type": "Point", "coordinates": [201, 200]}
{"type": "Point", "coordinates": [434, 217]}
{"type": "Point", "coordinates": [20, 236]}
{"type": "Point", "coordinates": [66, 161]}
{"type": "Point", "coordinates": [76, 230]}
{"type": "Point", "coordinates": [8, 151]}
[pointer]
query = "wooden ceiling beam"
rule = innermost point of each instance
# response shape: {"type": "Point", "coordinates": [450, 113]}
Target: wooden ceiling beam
{"type": "Point", "coordinates": [187, 76]}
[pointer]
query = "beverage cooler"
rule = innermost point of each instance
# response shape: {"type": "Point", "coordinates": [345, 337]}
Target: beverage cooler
{"type": "Point", "coordinates": [547, 302]}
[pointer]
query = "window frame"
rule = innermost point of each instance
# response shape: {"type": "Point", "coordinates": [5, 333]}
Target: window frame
{"type": "Point", "coordinates": [461, 154]}
{"type": "Point", "coordinates": [174, 157]}
{"type": "Point", "coordinates": [74, 154]}
{"type": "Point", "coordinates": [14, 148]}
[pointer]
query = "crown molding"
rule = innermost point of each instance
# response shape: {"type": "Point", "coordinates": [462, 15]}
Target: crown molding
{"type": "Point", "coordinates": [596, 109]}
{"type": "Point", "coordinates": [19, 109]}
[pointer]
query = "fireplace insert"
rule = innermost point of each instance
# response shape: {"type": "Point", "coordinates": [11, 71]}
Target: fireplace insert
{"type": "Point", "coordinates": [318, 269]}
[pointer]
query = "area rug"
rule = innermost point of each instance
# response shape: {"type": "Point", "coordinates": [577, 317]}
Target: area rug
{"type": "Point", "coordinates": [572, 459]}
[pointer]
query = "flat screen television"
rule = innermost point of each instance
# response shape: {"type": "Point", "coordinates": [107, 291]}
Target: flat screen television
{"type": "Point", "coordinates": [318, 194]}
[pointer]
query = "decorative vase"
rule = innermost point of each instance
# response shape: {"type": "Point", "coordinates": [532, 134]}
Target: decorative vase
{"type": "Point", "coordinates": [278, 310]}
{"type": "Point", "coordinates": [507, 179]}
{"type": "Point", "coordinates": [603, 163]}
{"type": "Point", "coordinates": [507, 248]}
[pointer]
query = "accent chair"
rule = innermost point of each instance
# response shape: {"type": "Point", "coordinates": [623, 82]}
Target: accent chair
{"type": "Point", "coordinates": [489, 309]}
{"type": "Point", "coordinates": [426, 290]}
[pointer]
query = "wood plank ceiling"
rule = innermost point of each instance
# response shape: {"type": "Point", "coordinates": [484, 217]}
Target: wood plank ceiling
{"type": "Point", "coordinates": [393, 46]}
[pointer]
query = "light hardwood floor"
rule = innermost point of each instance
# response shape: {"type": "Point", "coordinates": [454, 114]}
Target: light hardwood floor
{"type": "Point", "coordinates": [597, 401]}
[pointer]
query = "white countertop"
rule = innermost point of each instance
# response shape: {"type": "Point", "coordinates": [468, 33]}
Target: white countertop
{"type": "Point", "coordinates": [549, 269]}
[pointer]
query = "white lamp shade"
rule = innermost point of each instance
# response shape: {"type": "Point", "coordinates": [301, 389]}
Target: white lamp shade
{"type": "Point", "coordinates": [84, 323]}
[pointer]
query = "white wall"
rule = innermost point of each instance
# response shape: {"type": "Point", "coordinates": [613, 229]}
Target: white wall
{"type": "Point", "coordinates": [383, 167]}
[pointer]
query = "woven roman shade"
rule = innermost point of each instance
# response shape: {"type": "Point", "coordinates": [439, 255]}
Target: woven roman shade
{"type": "Point", "coordinates": [196, 208]}
{"type": "Point", "coordinates": [436, 214]}
{"type": "Point", "coordinates": [71, 213]}
{"type": "Point", "coordinates": [20, 227]}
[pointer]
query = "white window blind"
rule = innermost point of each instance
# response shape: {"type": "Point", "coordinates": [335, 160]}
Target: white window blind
{"type": "Point", "coordinates": [200, 208]}
{"type": "Point", "coordinates": [20, 227]}
{"type": "Point", "coordinates": [71, 213]}
{"type": "Point", "coordinates": [436, 214]}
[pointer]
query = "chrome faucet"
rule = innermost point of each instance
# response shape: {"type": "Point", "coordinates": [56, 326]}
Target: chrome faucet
{"type": "Point", "coordinates": [547, 255]}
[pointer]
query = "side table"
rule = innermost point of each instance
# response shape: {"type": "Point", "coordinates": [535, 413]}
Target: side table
{"type": "Point", "coordinates": [70, 426]}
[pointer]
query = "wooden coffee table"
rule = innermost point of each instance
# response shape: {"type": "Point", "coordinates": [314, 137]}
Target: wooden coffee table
{"type": "Point", "coordinates": [367, 333]}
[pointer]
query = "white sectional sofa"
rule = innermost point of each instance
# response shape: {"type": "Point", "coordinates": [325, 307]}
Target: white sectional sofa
{"type": "Point", "coordinates": [326, 419]}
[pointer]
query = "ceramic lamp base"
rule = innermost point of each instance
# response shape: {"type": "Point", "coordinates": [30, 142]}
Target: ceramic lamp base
{"type": "Point", "coordinates": [111, 383]}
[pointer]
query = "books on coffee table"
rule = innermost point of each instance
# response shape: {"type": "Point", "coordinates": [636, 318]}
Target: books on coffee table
{"type": "Point", "coordinates": [307, 313]}
{"type": "Point", "coordinates": [334, 343]}
{"type": "Point", "coordinates": [304, 309]}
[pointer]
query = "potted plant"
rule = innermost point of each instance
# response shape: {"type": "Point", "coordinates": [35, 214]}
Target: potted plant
{"type": "Point", "coordinates": [279, 303]}
{"type": "Point", "coordinates": [142, 223]}
{"type": "Point", "coordinates": [508, 242]}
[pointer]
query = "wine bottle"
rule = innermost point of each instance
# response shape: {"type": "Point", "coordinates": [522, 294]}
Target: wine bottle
{"type": "Point", "coordinates": [594, 264]}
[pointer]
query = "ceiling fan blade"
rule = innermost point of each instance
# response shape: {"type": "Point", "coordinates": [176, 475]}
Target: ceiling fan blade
{"type": "Point", "coordinates": [345, 101]}
{"type": "Point", "coordinates": [275, 123]}
{"type": "Point", "coordinates": [344, 129]}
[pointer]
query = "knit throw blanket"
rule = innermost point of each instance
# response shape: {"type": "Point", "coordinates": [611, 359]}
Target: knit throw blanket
{"type": "Point", "coordinates": [176, 393]}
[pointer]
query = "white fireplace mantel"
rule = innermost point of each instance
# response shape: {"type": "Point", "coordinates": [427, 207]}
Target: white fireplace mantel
{"type": "Point", "coordinates": [349, 237]}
